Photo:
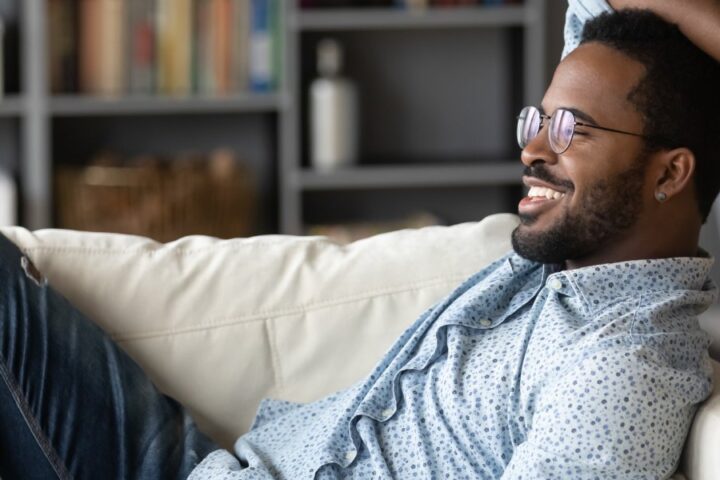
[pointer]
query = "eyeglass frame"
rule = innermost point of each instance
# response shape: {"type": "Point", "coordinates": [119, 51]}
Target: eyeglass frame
{"type": "Point", "coordinates": [544, 117]}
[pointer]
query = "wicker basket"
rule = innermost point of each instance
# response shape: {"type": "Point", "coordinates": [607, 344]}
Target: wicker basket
{"type": "Point", "coordinates": [160, 200]}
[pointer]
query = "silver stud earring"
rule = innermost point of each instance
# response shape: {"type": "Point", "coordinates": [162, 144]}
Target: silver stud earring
{"type": "Point", "coordinates": [660, 196]}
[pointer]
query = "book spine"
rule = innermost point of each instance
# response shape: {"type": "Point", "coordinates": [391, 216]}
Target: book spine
{"type": "Point", "coordinates": [112, 41]}
{"type": "Point", "coordinates": [240, 45]}
{"type": "Point", "coordinates": [141, 46]}
{"type": "Point", "coordinates": [174, 26]}
{"type": "Point", "coordinates": [183, 35]}
{"type": "Point", "coordinates": [55, 27]}
{"type": "Point", "coordinates": [260, 46]}
{"type": "Point", "coordinates": [223, 17]}
{"type": "Point", "coordinates": [70, 48]}
{"type": "Point", "coordinates": [162, 65]}
{"type": "Point", "coordinates": [88, 46]}
{"type": "Point", "coordinates": [206, 50]}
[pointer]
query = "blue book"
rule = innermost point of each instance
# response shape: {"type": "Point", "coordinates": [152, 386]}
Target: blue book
{"type": "Point", "coordinates": [262, 63]}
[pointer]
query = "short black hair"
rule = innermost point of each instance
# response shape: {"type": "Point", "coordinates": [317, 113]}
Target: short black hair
{"type": "Point", "coordinates": [679, 95]}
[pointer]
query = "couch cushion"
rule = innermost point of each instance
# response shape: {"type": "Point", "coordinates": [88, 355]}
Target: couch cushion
{"type": "Point", "coordinates": [700, 458]}
{"type": "Point", "coordinates": [220, 324]}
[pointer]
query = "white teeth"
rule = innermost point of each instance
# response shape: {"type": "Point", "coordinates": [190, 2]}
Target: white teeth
{"type": "Point", "coordinates": [545, 192]}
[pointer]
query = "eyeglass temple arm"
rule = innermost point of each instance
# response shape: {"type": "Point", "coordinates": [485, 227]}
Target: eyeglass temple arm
{"type": "Point", "coordinates": [609, 129]}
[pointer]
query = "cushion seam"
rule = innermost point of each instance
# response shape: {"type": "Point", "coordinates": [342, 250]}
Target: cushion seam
{"type": "Point", "coordinates": [274, 355]}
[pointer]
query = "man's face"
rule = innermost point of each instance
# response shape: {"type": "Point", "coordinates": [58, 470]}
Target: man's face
{"type": "Point", "coordinates": [602, 174]}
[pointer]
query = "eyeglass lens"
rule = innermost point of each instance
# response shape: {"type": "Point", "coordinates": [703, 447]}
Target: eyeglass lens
{"type": "Point", "coordinates": [528, 125]}
{"type": "Point", "coordinates": [560, 130]}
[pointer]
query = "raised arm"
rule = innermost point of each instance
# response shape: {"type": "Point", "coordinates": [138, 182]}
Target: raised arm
{"type": "Point", "coordinates": [699, 20]}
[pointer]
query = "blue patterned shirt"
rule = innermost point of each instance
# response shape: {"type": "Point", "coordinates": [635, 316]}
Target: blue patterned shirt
{"type": "Point", "coordinates": [525, 371]}
{"type": "Point", "coordinates": [579, 12]}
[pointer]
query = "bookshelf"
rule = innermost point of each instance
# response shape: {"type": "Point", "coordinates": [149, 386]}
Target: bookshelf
{"type": "Point", "coordinates": [462, 160]}
{"type": "Point", "coordinates": [428, 140]}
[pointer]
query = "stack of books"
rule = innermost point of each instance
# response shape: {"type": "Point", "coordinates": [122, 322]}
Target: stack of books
{"type": "Point", "coordinates": [166, 47]}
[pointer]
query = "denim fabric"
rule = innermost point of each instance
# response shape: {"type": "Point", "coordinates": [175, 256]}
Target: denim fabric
{"type": "Point", "coordinates": [72, 404]}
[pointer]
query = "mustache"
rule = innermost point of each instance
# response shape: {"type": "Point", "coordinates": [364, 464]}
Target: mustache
{"type": "Point", "coordinates": [541, 173]}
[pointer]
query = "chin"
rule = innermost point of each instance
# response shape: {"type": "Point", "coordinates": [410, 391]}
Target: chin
{"type": "Point", "coordinates": [542, 246]}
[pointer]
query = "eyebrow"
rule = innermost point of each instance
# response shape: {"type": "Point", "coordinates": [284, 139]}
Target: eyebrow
{"type": "Point", "coordinates": [579, 114]}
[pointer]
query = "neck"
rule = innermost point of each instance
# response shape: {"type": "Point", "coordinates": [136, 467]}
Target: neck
{"type": "Point", "coordinates": [647, 242]}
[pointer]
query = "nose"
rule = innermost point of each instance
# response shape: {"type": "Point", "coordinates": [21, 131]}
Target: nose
{"type": "Point", "coordinates": [538, 149]}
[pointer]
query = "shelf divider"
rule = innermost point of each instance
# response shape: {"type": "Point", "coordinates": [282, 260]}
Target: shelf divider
{"type": "Point", "coordinates": [12, 106]}
{"type": "Point", "coordinates": [388, 18]}
{"type": "Point", "coordinates": [84, 105]}
{"type": "Point", "coordinates": [506, 172]}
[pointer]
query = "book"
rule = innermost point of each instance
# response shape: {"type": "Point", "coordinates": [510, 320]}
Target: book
{"type": "Point", "coordinates": [111, 61]}
{"type": "Point", "coordinates": [204, 52]}
{"type": "Point", "coordinates": [141, 46]}
{"type": "Point", "coordinates": [170, 47]}
{"type": "Point", "coordinates": [261, 46]}
{"type": "Point", "coordinates": [62, 45]}
{"type": "Point", "coordinates": [89, 45]}
{"type": "Point", "coordinates": [240, 46]}
{"type": "Point", "coordinates": [222, 18]}
{"type": "Point", "coordinates": [174, 47]}
{"type": "Point", "coordinates": [102, 42]}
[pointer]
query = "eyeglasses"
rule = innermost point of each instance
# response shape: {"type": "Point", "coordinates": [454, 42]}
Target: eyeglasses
{"type": "Point", "coordinates": [560, 131]}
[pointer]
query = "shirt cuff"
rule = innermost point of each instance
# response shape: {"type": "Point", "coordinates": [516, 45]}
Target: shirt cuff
{"type": "Point", "coordinates": [579, 12]}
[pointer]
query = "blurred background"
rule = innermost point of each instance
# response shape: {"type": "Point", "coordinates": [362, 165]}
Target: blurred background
{"type": "Point", "coordinates": [234, 118]}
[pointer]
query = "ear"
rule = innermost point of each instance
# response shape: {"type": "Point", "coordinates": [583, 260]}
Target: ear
{"type": "Point", "coordinates": [675, 170]}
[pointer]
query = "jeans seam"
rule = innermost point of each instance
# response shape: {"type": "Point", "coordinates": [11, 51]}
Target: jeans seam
{"type": "Point", "coordinates": [40, 438]}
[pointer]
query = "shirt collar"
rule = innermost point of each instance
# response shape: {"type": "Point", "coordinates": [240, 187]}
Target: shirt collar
{"type": "Point", "coordinates": [598, 284]}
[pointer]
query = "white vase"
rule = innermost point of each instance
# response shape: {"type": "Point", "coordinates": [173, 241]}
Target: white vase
{"type": "Point", "coordinates": [333, 113]}
{"type": "Point", "coordinates": [8, 200]}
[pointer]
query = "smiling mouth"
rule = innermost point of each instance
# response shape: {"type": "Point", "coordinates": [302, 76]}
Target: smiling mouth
{"type": "Point", "coordinates": [539, 199]}
{"type": "Point", "coordinates": [544, 193]}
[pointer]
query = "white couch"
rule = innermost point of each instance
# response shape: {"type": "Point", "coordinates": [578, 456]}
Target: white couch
{"type": "Point", "coordinates": [220, 324]}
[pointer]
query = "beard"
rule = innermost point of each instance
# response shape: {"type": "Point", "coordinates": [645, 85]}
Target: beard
{"type": "Point", "coordinates": [608, 208]}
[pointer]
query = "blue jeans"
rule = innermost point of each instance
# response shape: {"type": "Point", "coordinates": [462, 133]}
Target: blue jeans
{"type": "Point", "coordinates": [72, 404]}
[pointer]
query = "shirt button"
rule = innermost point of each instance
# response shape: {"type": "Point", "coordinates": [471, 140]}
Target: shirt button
{"type": "Point", "coordinates": [485, 322]}
{"type": "Point", "coordinates": [387, 413]}
{"type": "Point", "coordinates": [555, 284]}
{"type": "Point", "coordinates": [350, 455]}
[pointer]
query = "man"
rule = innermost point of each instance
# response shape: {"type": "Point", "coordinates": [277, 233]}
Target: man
{"type": "Point", "coordinates": [576, 356]}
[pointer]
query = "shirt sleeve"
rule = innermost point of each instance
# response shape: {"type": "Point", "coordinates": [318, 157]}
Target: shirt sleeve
{"type": "Point", "coordinates": [579, 12]}
{"type": "Point", "coordinates": [620, 412]}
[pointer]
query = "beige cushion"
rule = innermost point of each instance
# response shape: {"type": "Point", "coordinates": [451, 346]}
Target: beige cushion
{"type": "Point", "coordinates": [701, 459]}
{"type": "Point", "coordinates": [221, 324]}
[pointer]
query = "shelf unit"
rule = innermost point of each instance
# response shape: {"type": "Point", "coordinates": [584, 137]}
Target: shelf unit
{"type": "Point", "coordinates": [522, 26]}
{"type": "Point", "coordinates": [511, 40]}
